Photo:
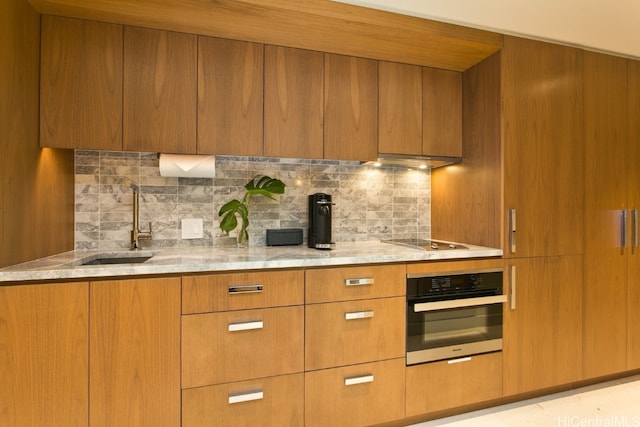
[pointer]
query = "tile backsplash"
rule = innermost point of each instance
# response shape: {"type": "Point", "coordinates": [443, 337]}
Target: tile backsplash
{"type": "Point", "coordinates": [370, 203]}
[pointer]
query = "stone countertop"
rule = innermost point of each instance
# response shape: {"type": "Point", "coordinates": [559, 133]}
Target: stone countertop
{"type": "Point", "coordinates": [67, 266]}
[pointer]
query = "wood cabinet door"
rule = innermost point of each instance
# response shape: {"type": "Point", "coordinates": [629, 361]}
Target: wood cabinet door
{"type": "Point", "coordinates": [452, 383]}
{"type": "Point", "coordinates": [350, 108]}
{"type": "Point", "coordinates": [293, 82]}
{"type": "Point", "coordinates": [542, 131]}
{"type": "Point", "coordinates": [160, 91]}
{"type": "Point", "coordinates": [346, 333]}
{"type": "Point", "coordinates": [400, 108]}
{"type": "Point", "coordinates": [633, 198]}
{"type": "Point", "coordinates": [135, 353]}
{"type": "Point", "coordinates": [441, 112]}
{"type": "Point", "coordinates": [44, 358]}
{"type": "Point", "coordinates": [269, 402]}
{"type": "Point", "coordinates": [230, 97]}
{"type": "Point", "coordinates": [357, 395]}
{"type": "Point", "coordinates": [542, 323]}
{"type": "Point", "coordinates": [80, 84]}
{"type": "Point", "coordinates": [606, 180]}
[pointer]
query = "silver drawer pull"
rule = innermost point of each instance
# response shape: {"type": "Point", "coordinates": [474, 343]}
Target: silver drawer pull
{"type": "Point", "coordinates": [245, 397]}
{"type": "Point", "coordinates": [246, 326]}
{"type": "Point", "coordinates": [358, 315]}
{"type": "Point", "coordinates": [358, 380]}
{"type": "Point", "coordinates": [460, 360]}
{"type": "Point", "coordinates": [359, 282]}
{"type": "Point", "coordinates": [245, 289]}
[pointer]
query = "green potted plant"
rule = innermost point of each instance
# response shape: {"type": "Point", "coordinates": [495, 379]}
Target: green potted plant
{"type": "Point", "coordinates": [259, 185]}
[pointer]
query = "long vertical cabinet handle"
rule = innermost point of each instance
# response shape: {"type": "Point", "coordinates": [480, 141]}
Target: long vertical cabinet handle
{"type": "Point", "coordinates": [634, 212]}
{"type": "Point", "coordinates": [512, 282]}
{"type": "Point", "coordinates": [512, 230]}
{"type": "Point", "coordinates": [623, 229]}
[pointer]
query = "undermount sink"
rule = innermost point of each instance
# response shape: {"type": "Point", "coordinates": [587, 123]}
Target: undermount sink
{"type": "Point", "coordinates": [116, 259]}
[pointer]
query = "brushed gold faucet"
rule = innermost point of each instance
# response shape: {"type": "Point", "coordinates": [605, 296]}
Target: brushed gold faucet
{"type": "Point", "coordinates": [136, 234]}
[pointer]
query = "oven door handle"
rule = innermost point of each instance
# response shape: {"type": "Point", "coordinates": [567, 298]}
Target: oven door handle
{"type": "Point", "coordinates": [459, 303]}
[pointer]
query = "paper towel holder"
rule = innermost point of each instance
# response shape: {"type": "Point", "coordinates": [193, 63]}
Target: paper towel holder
{"type": "Point", "coordinates": [187, 165]}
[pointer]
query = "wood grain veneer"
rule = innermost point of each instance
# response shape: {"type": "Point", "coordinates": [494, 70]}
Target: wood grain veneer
{"type": "Point", "coordinates": [293, 100]}
{"type": "Point", "coordinates": [442, 385]}
{"type": "Point", "coordinates": [81, 84]}
{"type": "Point", "coordinates": [230, 97]}
{"type": "Point", "coordinates": [400, 108]}
{"type": "Point", "coordinates": [606, 178]}
{"type": "Point", "coordinates": [210, 293]}
{"type": "Point", "coordinates": [350, 108]}
{"type": "Point", "coordinates": [542, 138]}
{"type": "Point", "coordinates": [44, 363]}
{"type": "Point", "coordinates": [321, 25]}
{"type": "Point", "coordinates": [36, 186]}
{"type": "Point", "coordinates": [337, 341]}
{"type": "Point", "coordinates": [466, 199]}
{"type": "Point", "coordinates": [329, 284]}
{"type": "Point", "coordinates": [135, 352]}
{"type": "Point", "coordinates": [160, 91]}
{"type": "Point", "coordinates": [211, 354]}
{"type": "Point", "coordinates": [633, 197]}
{"type": "Point", "coordinates": [441, 112]}
{"type": "Point", "coordinates": [282, 403]}
{"type": "Point", "coordinates": [542, 339]}
{"type": "Point", "coordinates": [329, 402]}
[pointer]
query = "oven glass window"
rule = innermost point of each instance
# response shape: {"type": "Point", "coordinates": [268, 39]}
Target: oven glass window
{"type": "Point", "coordinates": [455, 326]}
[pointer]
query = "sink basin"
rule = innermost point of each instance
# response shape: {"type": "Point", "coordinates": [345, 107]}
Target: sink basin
{"type": "Point", "coordinates": [111, 259]}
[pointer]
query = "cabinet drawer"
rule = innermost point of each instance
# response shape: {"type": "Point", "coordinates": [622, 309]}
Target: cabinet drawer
{"type": "Point", "coordinates": [276, 401]}
{"type": "Point", "coordinates": [448, 384]}
{"type": "Point", "coordinates": [345, 333]}
{"type": "Point", "coordinates": [241, 345]}
{"type": "Point", "coordinates": [356, 395]}
{"type": "Point", "coordinates": [352, 283]}
{"type": "Point", "coordinates": [222, 292]}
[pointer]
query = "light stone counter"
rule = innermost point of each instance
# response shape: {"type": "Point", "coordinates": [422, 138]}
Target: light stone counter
{"type": "Point", "coordinates": [67, 266]}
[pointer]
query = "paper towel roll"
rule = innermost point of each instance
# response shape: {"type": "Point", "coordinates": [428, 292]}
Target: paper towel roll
{"type": "Point", "coordinates": [189, 166]}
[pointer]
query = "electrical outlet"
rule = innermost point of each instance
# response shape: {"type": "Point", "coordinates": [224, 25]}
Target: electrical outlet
{"type": "Point", "coordinates": [192, 228]}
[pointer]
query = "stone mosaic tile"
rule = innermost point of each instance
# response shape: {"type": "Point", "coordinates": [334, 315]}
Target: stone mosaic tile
{"type": "Point", "coordinates": [370, 203]}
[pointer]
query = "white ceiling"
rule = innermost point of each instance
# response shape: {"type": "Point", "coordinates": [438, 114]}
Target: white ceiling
{"type": "Point", "coordinates": [602, 25]}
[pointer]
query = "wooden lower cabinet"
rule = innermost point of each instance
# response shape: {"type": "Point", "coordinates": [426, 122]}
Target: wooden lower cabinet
{"type": "Point", "coordinates": [135, 353]}
{"type": "Point", "coordinates": [356, 395]}
{"type": "Point", "coordinates": [542, 323]}
{"type": "Point", "coordinates": [451, 383]}
{"type": "Point", "coordinates": [276, 401]}
{"type": "Point", "coordinates": [43, 355]}
{"type": "Point", "coordinates": [241, 345]}
{"type": "Point", "coordinates": [345, 333]}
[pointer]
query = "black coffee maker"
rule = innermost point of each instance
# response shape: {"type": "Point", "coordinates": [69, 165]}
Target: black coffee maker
{"type": "Point", "coordinates": [320, 207]}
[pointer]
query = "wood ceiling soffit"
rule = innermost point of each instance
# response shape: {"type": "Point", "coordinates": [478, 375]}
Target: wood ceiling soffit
{"type": "Point", "coordinates": [321, 25]}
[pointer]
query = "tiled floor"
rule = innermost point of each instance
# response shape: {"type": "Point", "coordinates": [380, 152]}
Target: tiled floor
{"type": "Point", "coordinates": [612, 404]}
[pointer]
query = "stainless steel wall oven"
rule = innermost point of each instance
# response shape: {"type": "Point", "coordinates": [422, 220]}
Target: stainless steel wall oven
{"type": "Point", "coordinates": [453, 315]}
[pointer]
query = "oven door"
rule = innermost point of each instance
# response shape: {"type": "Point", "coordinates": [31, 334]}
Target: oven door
{"type": "Point", "coordinates": [447, 329]}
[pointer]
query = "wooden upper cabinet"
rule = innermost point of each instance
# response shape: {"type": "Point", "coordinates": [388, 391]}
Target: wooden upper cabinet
{"type": "Point", "coordinates": [400, 109]}
{"type": "Point", "coordinates": [543, 145]}
{"type": "Point", "coordinates": [44, 360]}
{"type": "Point", "coordinates": [441, 112]}
{"type": "Point", "coordinates": [350, 108]}
{"type": "Point", "coordinates": [160, 91]}
{"type": "Point", "coordinates": [230, 97]}
{"type": "Point", "coordinates": [293, 81]}
{"type": "Point", "coordinates": [80, 84]}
